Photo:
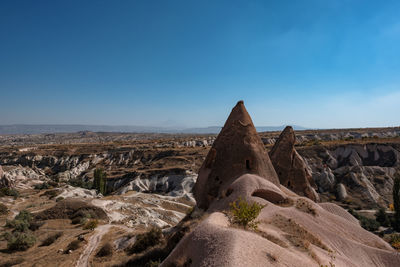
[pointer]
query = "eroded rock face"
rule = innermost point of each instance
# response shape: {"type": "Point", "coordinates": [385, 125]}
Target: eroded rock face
{"type": "Point", "coordinates": [292, 230]}
{"type": "Point", "coordinates": [4, 180]}
{"type": "Point", "coordinates": [237, 150]}
{"type": "Point", "coordinates": [291, 169]}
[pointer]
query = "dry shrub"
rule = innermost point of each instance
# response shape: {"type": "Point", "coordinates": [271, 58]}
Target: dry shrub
{"type": "Point", "coordinates": [51, 239]}
{"type": "Point", "coordinates": [3, 209]}
{"type": "Point", "coordinates": [105, 250]}
{"type": "Point", "coordinates": [91, 225]}
{"type": "Point", "coordinates": [74, 245]}
{"type": "Point", "coordinates": [146, 240]}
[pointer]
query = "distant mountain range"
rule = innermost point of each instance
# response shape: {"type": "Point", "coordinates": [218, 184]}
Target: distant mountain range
{"type": "Point", "coordinates": [69, 128]}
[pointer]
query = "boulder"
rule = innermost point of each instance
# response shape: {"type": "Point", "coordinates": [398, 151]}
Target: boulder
{"type": "Point", "coordinates": [237, 150]}
{"type": "Point", "coordinates": [341, 192]}
{"type": "Point", "coordinates": [292, 171]}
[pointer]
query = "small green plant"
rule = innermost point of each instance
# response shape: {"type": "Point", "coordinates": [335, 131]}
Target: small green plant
{"type": "Point", "coordinates": [146, 240]}
{"type": "Point", "coordinates": [91, 225]}
{"type": "Point", "coordinates": [244, 213]}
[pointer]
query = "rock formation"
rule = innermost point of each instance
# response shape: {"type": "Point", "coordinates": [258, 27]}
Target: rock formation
{"type": "Point", "coordinates": [237, 150]}
{"type": "Point", "coordinates": [292, 230]}
{"type": "Point", "coordinates": [4, 180]}
{"type": "Point", "coordinates": [290, 166]}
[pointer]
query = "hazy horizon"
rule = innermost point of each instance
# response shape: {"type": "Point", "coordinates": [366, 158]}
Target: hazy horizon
{"type": "Point", "coordinates": [318, 64]}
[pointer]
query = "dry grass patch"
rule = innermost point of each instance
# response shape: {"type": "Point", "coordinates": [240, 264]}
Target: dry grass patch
{"type": "Point", "coordinates": [305, 206]}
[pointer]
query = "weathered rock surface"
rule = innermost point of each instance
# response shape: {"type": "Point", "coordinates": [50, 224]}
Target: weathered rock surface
{"type": "Point", "coordinates": [290, 166]}
{"type": "Point", "coordinates": [292, 230]}
{"type": "Point", "coordinates": [366, 170]}
{"type": "Point", "coordinates": [237, 150]}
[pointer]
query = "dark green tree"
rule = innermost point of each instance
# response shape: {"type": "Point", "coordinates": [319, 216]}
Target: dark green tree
{"type": "Point", "coordinates": [396, 201]}
{"type": "Point", "coordinates": [99, 182]}
{"type": "Point", "coordinates": [382, 217]}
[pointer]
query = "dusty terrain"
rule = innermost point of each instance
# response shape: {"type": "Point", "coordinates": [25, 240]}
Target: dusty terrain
{"type": "Point", "coordinates": [150, 179]}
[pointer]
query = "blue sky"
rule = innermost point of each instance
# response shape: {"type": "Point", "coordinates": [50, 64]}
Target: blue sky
{"type": "Point", "coordinates": [314, 63]}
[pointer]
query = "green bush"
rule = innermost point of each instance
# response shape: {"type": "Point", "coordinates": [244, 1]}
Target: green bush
{"type": "Point", "coordinates": [244, 213]}
{"type": "Point", "coordinates": [51, 239]}
{"type": "Point", "coordinates": [146, 240]}
{"type": "Point", "coordinates": [382, 217]}
{"type": "Point", "coordinates": [366, 223]}
{"type": "Point", "coordinates": [105, 250]}
{"type": "Point", "coordinates": [80, 183]}
{"type": "Point", "coordinates": [21, 222]}
{"type": "Point", "coordinates": [20, 241]}
{"type": "Point", "coordinates": [90, 225]}
{"type": "Point", "coordinates": [369, 224]}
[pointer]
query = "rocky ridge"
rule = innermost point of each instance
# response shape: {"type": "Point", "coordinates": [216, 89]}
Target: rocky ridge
{"type": "Point", "coordinates": [292, 231]}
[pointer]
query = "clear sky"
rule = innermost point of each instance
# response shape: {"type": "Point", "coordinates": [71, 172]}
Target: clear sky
{"type": "Point", "coordinates": [313, 63]}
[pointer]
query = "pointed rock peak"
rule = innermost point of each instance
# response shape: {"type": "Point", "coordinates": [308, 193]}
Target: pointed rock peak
{"type": "Point", "coordinates": [239, 114]}
{"type": "Point", "coordinates": [291, 168]}
{"type": "Point", "coordinates": [237, 150]}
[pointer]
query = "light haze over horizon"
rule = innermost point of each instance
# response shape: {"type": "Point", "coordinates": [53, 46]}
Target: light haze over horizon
{"type": "Point", "coordinates": [317, 64]}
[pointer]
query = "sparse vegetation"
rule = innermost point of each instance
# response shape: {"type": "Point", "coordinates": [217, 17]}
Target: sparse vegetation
{"type": "Point", "coordinates": [42, 186]}
{"type": "Point", "coordinates": [51, 193]}
{"type": "Point", "coordinates": [394, 241]}
{"type": "Point", "coordinates": [77, 182]}
{"type": "Point", "coordinates": [91, 225]}
{"type": "Point", "coordinates": [366, 223]}
{"type": "Point", "coordinates": [105, 250]}
{"type": "Point", "coordinates": [21, 222]}
{"type": "Point", "coordinates": [146, 240]}
{"type": "Point", "coordinates": [19, 241]}
{"type": "Point", "coordinates": [382, 217]}
{"type": "Point", "coordinates": [74, 245]}
{"type": "Point", "coordinates": [305, 206]}
{"type": "Point", "coordinates": [3, 209]}
{"type": "Point", "coordinates": [51, 239]}
{"type": "Point", "coordinates": [244, 213]}
{"type": "Point", "coordinates": [21, 238]}
{"type": "Point", "coordinates": [11, 192]}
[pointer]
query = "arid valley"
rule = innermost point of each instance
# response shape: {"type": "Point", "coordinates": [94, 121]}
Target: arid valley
{"type": "Point", "coordinates": [49, 190]}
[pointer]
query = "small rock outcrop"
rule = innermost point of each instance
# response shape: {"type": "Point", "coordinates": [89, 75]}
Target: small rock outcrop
{"type": "Point", "coordinates": [290, 166]}
{"type": "Point", "coordinates": [4, 180]}
{"type": "Point", "coordinates": [237, 150]}
{"type": "Point", "coordinates": [341, 191]}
